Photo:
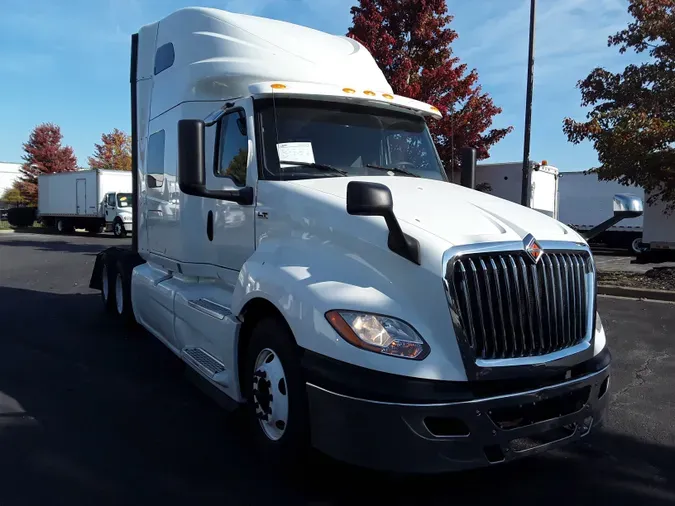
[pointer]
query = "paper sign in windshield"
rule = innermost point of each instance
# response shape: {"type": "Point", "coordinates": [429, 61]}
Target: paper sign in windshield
{"type": "Point", "coordinates": [295, 152]}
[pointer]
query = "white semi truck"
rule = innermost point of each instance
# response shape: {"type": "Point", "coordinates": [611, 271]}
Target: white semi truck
{"type": "Point", "coordinates": [95, 200]}
{"type": "Point", "coordinates": [315, 267]}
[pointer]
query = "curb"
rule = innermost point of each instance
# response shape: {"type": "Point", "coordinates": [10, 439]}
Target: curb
{"type": "Point", "coordinates": [637, 293]}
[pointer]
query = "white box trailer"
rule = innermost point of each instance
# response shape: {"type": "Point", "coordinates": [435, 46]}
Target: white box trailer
{"type": "Point", "coordinates": [505, 181]}
{"type": "Point", "coordinates": [584, 202]}
{"type": "Point", "coordinates": [95, 200]}
{"type": "Point", "coordinates": [659, 229]}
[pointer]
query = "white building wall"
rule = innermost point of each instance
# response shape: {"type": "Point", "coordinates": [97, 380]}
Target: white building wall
{"type": "Point", "coordinates": [9, 172]}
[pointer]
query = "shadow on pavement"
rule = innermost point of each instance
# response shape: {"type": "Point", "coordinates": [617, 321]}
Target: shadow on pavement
{"type": "Point", "coordinates": [91, 413]}
{"type": "Point", "coordinates": [60, 246]}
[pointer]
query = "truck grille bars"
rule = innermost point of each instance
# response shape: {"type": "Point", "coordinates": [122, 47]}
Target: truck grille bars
{"type": "Point", "coordinates": [507, 305]}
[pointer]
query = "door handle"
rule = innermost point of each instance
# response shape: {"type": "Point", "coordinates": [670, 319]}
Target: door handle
{"type": "Point", "coordinates": [209, 226]}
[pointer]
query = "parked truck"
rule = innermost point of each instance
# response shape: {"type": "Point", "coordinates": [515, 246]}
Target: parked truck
{"type": "Point", "coordinates": [95, 200]}
{"type": "Point", "coordinates": [298, 245]}
{"type": "Point", "coordinates": [585, 202]}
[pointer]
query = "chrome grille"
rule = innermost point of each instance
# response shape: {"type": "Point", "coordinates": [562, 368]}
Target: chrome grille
{"type": "Point", "coordinates": [507, 306]}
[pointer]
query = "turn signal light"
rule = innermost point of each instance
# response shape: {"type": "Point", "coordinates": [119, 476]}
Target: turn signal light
{"type": "Point", "coordinates": [369, 93]}
{"type": "Point", "coordinates": [349, 90]}
{"type": "Point", "coordinates": [278, 86]}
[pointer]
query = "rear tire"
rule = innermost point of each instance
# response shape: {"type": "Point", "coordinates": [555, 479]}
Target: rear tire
{"type": "Point", "coordinates": [637, 246]}
{"type": "Point", "coordinates": [63, 227]}
{"type": "Point", "coordinates": [95, 230]}
{"type": "Point", "coordinates": [108, 286]}
{"type": "Point", "coordinates": [123, 307]}
{"type": "Point", "coordinates": [276, 409]}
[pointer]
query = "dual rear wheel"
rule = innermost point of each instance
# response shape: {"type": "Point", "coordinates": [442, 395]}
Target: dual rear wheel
{"type": "Point", "coordinates": [116, 290]}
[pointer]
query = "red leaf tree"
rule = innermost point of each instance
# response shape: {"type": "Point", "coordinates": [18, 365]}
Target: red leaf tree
{"type": "Point", "coordinates": [44, 154]}
{"type": "Point", "coordinates": [114, 152]}
{"type": "Point", "coordinates": [411, 42]}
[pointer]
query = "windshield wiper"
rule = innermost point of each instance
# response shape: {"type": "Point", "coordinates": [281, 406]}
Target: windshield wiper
{"type": "Point", "coordinates": [392, 169]}
{"type": "Point", "coordinates": [320, 166]}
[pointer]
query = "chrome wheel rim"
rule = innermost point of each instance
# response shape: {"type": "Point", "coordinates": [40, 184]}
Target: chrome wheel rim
{"type": "Point", "coordinates": [119, 295]}
{"type": "Point", "coordinates": [118, 229]}
{"type": "Point", "coordinates": [270, 394]}
{"type": "Point", "coordinates": [104, 283]}
{"type": "Point", "coordinates": [59, 226]}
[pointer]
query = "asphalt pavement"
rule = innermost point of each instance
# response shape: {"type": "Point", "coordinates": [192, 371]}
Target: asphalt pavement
{"type": "Point", "coordinates": [91, 414]}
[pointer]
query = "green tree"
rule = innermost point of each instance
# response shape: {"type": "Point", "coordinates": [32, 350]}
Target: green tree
{"type": "Point", "coordinates": [13, 196]}
{"type": "Point", "coordinates": [632, 118]}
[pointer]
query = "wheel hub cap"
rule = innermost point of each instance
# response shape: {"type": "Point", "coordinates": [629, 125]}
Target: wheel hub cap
{"type": "Point", "coordinates": [270, 395]}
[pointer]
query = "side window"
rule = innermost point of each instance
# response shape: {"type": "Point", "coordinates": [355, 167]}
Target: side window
{"type": "Point", "coordinates": [111, 199]}
{"type": "Point", "coordinates": [164, 57]}
{"type": "Point", "coordinates": [233, 148]}
{"type": "Point", "coordinates": [155, 163]}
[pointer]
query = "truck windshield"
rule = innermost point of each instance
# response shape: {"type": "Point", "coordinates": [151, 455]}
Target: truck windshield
{"type": "Point", "coordinates": [124, 200]}
{"type": "Point", "coordinates": [327, 139]}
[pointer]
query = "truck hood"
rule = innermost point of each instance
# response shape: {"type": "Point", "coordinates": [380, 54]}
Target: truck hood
{"type": "Point", "coordinates": [454, 213]}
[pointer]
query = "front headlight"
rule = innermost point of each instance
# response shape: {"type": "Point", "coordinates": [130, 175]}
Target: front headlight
{"type": "Point", "coordinates": [380, 334]}
{"type": "Point", "coordinates": [126, 218]}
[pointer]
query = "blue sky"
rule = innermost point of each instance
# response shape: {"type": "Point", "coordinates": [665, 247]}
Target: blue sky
{"type": "Point", "coordinates": [67, 62]}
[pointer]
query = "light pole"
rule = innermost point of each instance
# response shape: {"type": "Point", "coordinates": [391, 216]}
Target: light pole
{"type": "Point", "coordinates": [525, 190]}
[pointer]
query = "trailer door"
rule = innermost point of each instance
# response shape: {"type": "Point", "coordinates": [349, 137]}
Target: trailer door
{"type": "Point", "coordinates": [544, 194]}
{"type": "Point", "coordinates": [81, 196]}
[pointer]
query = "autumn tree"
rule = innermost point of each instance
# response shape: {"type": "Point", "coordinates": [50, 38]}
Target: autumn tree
{"type": "Point", "coordinates": [114, 152]}
{"type": "Point", "coordinates": [44, 154]}
{"type": "Point", "coordinates": [411, 42]}
{"type": "Point", "coordinates": [632, 118]}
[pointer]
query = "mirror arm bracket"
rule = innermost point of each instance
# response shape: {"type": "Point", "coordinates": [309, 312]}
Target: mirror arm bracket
{"type": "Point", "coordinates": [401, 243]}
{"type": "Point", "coordinates": [599, 229]}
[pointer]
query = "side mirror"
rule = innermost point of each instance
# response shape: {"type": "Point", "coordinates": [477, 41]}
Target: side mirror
{"type": "Point", "coordinates": [374, 199]}
{"type": "Point", "coordinates": [628, 206]}
{"type": "Point", "coordinates": [155, 180]}
{"type": "Point", "coordinates": [192, 167]}
{"type": "Point", "coordinates": [369, 199]}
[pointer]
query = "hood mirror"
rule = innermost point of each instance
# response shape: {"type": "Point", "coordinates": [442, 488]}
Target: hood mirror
{"type": "Point", "coordinates": [625, 206]}
{"type": "Point", "coordinates": [628, 206]}
{"type": "Point", "coordinates": [374, 199]}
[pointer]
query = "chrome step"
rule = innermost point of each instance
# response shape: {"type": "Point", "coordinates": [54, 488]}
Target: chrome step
{"type": "Point", "coordinates": [210, 308]}
{"type": "Point", "coordinates": [209, 365]}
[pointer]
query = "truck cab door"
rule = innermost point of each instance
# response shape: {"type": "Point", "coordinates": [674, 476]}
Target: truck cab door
{"type": "Point", "coordinates": [109, 207]}
{"type": "Point", "coordinates": [229, 226]}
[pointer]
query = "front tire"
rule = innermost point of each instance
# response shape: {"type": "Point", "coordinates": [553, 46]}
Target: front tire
{"type": "Point", "coordinates": [118, 228]}
{"type": "Point", "coordinates": [276, 408]}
